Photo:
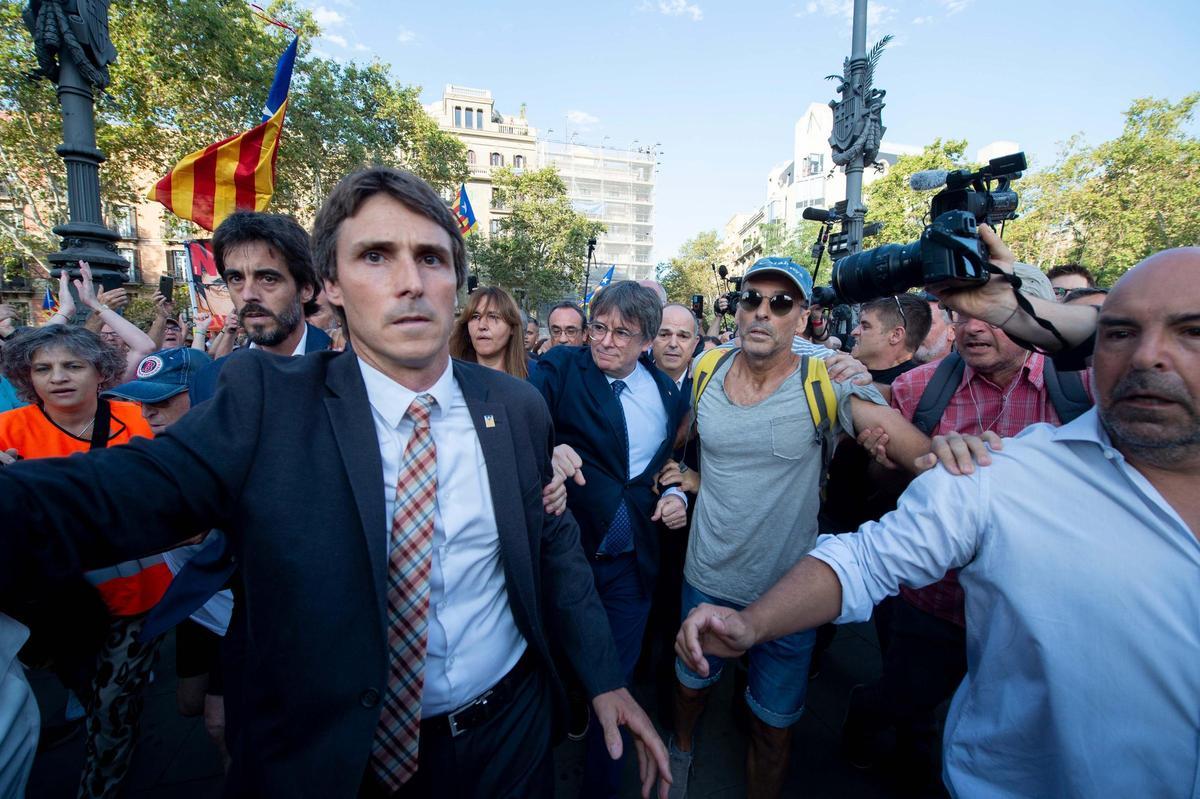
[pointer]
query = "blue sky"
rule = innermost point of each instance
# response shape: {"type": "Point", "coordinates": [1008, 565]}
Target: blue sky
{"type": "Point", "coordinates": [721, 84]}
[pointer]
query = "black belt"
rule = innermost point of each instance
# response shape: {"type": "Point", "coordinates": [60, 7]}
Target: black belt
{"type": "Point", "coordinates": [484, 707]}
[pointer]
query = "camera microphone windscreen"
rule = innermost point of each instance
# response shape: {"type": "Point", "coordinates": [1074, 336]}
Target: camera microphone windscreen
{"type": "Point", "coordinates": [815, 214]}
{"type": "Point", "coordinates": [928, 179]}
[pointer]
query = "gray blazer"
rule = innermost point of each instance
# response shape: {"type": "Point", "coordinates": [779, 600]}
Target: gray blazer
{"type": "Point", "coordinates": [286, 461]}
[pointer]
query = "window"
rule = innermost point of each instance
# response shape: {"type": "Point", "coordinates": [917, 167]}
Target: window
{"type": "Point", "coordinates": [470, 119]}
{"type": "Point", "coordinates": [519, 161]}
{"type": "Point", "coordinates": [494, 226]}
{"type": "Point", "coordinates": [132, 275]}
{"type": "Point", "coordinates": [458, 116]}
{"type": "Point", "coordinates": [123, 219]}
{"type": "Point", "coordinates": [471, 157]}
{"type": "Point", "coordinates": [177, 265]}
{"type": "Point", "coordinates": [497, 159]}
{"type": "Point", "coordinates": [815, 164]}
{"type": "Point", "coordinates": [479, 118]}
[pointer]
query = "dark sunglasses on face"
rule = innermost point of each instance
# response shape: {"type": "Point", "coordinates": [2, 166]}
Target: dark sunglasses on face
{"type": "Point", "coordinates": [781, 304]}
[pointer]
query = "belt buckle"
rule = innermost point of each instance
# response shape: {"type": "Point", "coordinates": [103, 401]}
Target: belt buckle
{"type": "Point", "coordinates": [452, 718]}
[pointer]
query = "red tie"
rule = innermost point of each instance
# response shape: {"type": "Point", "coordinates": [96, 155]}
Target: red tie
{"type": "Point", "coordinates": [394, 753]}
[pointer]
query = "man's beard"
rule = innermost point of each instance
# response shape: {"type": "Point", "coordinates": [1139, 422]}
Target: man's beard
{"type": "Point", "coordinates": [271, 335]}
{"type": "Point", "coordinates": [1167, 444]}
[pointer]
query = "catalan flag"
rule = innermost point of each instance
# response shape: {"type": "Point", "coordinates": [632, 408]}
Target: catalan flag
{"type": "Point", "coordinates": [461, 207]}
{"type": "Point", "coordinates": [235, 173]}
{"type": "Point", "coordinates": [49, 304]}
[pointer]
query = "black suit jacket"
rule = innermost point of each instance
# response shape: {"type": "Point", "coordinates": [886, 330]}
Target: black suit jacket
{"type": "Point", "coordinates": [286, 461]}
{"type": "Point", "coordinates": [205, 384]}
{"type": "Point", "coordinates": [587, 416]}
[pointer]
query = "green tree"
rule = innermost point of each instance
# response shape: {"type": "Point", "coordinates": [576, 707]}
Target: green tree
{"type": "Point", "coordinates": [1110, 206]}
{"type": "Point", "coordinates": [902, 211]}
{"type": "Point", "coordinates": [539, 252]}
{"type": "Point", "coordinates": [691, 271]}
{"type": "Point", "coordinates": [189, 73]}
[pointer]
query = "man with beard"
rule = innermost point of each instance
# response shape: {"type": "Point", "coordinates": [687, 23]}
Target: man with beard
{"type": "Point", "coordinates": [1079, 551]}
{"type": "Point", "coordinates": [266, 261]}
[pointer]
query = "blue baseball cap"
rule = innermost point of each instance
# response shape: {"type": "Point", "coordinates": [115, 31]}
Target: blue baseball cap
{"type": "Point", "coordinates": [786, 267]}
{"type": "Point", "coordinates": [162, 375]}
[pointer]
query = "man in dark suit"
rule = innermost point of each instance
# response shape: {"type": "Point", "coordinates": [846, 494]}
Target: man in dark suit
{"type": "Point", "coordinates": [615, 419]}
{"type": "Point", "coordinates": [397, 594]}
{"type": "Point", "coordinates": [266, 261]}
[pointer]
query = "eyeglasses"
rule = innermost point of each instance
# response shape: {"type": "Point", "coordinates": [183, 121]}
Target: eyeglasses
{"type": "Point", "coordinates": [570, 332]}
{"type": "Point", "coordinates": [1060, 291]}
{"type": "Point", "coordinates": [621, 336]}
{"type": "Point", "coordinates": [781, 304]}
{"type": "Point", "coordinates": [900, 308]}
{"type": "Point", "coordinates": [959, 319]}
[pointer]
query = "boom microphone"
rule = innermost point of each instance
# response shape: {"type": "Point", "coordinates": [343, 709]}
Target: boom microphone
{"type": "Point", "coordinates": [818, 215]}
{"type": "Point", "coordinates": [928, 179]}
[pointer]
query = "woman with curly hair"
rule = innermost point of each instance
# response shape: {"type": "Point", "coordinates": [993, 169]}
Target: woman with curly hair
{"type": "Point", "coordinates": [61, 370]}
{"type": "Point", "coordinates": [489, 332]}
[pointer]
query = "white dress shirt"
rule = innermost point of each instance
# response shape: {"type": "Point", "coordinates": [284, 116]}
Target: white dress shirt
{"type": "Point", "coordinates": [645, 417]}
{"type": "Point", "coordinates": [473, 638]}
{"type": "Point", "coordinates": [1083, 617]}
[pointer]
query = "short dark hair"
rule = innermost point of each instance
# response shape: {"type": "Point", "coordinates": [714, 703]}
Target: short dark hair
{"type": "Point", "coordinates": [633, 302]}
{"type": "Point", "coordinates": [279, 232]}
{"type": "Point", "coordinates": [916, 318]}
{"type": "Point", "coordinates": [569, 306]}
{"type": "Point", "coordinates": [1080, 293]}
{"type": "Point", "coordinates": [1072, 269]}
{"type": "Point", "coordinates": [356, 188]}
{"type": "Point", "coordinates": [16, 359]}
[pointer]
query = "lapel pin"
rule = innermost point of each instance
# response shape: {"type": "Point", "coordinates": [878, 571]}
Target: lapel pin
{"type": "Point", "coordinates": [489, 420]}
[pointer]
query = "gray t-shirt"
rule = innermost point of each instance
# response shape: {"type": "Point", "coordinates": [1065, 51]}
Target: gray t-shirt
{"type": "Point", "coordinates": [760, 473]}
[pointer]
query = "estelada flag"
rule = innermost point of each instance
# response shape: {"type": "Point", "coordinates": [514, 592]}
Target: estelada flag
{"type": "Point", "coordinates": [461, 208]}
{"type": "Point", "coordinates": [235, 173]}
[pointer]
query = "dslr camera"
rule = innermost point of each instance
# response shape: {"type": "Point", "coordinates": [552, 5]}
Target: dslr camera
{"type": "Point", "coordinates": [949, 250]}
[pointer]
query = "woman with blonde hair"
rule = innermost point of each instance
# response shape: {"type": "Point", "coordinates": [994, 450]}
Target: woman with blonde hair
{"type": "Point", "coordinates": [489, 332]}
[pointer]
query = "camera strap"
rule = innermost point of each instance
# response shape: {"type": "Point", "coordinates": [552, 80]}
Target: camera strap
{"type": "Point", "coordinates": [1024, 304]}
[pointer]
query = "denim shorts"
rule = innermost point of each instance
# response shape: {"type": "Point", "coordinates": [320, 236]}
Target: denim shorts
{"type": "Point", "coordinates": [778, 677]}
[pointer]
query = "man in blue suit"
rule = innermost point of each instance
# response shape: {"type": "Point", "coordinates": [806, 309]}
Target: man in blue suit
{"type": "Point", "coordinates": [615, 418]}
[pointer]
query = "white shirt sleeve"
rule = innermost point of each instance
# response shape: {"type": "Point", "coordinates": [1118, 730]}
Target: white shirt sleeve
{"type": "Point", "coordinates": [936, 527]}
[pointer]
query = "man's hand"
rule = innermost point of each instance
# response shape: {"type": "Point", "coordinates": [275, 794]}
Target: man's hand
{"type": "Point", "coordinates": [232, 323]}
{"type": "Point", "coordinates": [202, 321]}
{"type": "Point", "coordinates": [163, 307]}
{"type": "Point", "coordinates": [617, 708]}
{"type": "Point", "coordinates": [959, 453]}
{"type": "Point", "coordinates": [554, 495]}
{"type": "Point", "coordinates": [843, 366]}
{"type": "Point", "coordinates": [875, 440]}
{"type": "Point", "coordinates": [713, 630]}
{"type": "Point", "coordinates": [674, 474]}
{"type": "Point", "coordinates": [672, 511]}
{"type": "Point", "coordinates": [993, 301]}
{"type": "Point", "coordinates": [568, 464]}
{"type": "Point", "coordinates": [8, 457]}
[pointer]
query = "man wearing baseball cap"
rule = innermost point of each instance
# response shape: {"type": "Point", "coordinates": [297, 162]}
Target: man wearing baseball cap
{"type": "Point", "coordinates": [163, 384]}
{"type": "Point", "coordinates": [758, 496]}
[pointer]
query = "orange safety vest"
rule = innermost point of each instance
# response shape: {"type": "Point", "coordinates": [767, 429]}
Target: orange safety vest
{"type": "Point", "coordinates": [130, 588]}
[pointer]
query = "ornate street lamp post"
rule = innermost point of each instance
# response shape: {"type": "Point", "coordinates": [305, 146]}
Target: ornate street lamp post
{"type": "Point", "coordinates": [74, 51]}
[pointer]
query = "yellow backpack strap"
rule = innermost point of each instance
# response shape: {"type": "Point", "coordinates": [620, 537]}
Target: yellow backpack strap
{"type": "Point", "coordinates": [703, 370]}
{"type": "Point", "coordinates": [818, 389]}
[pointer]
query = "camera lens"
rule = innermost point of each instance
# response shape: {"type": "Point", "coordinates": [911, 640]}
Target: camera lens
{"type": "Point", "coordinates": [890, 269]}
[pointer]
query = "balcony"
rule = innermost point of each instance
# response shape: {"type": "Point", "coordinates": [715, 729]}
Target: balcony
{"type": "Point", "coordinates": [480, 170]}
{"type": "Point", "coordinates": [513, 130]}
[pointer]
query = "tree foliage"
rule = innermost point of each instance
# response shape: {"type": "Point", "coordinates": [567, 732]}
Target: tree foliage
{"type": "Point", "coordinates": [902, 211]}
{"type": "Point", "coordinates": [540, 250]}
{"type": "Point", "coordinates": [691, 271]}
{"type": "Point", "coordinates": [189, 73]}
{"type": "Point", "coordinates": [1109, 206]}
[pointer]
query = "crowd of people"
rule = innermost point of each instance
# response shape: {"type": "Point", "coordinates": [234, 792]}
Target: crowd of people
{"type": "Point", "coordinates": [421, 537]}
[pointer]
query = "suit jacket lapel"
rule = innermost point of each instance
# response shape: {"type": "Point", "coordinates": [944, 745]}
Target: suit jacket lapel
{"type": "Point", "coordinates": [599, 387]}
{"type": "Point", "coordinates": [354, 430]}
{"type": "Point", "coordinates": [495, 440]}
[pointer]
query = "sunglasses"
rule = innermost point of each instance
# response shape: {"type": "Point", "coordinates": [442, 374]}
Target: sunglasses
{"type": "Point", "coordinates": [900, 308]}
{"type": "Point", "coordinates": [781, 304]}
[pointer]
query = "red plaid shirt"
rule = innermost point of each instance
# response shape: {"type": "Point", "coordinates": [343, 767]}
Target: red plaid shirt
{"type": "Point", "coordinates": [976, 406]}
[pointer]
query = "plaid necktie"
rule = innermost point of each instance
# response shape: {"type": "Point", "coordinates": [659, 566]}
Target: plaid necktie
{"type": "Point", "coordinates": [394, 752]}
{"type": "Point", "coordinates": [619, 537]}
